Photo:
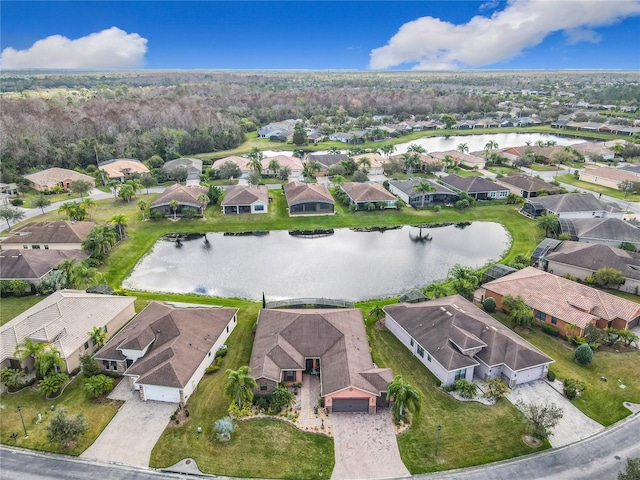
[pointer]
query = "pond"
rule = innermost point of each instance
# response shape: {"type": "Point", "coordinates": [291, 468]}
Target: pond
{"type": "Point", "coordinates": [346, 264]}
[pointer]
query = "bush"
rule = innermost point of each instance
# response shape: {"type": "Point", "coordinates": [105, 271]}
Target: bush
{"type": "Point", "coordinates": [489, 305]}
{"type": "Point", "coordinates": [550, 330]}
{"type": "Point", "coordinates": [583, 354]}
{"type": "Point", "coordinates": [97, 385]}
{"type": "Point", "coordinates": [222, 351]}
{"type": "Point", "coordinates": [466, 389]}
{"type": "Point", "coordinates": [281, 398]}
{"type": "Point", "coordinates": [75, 371]}
{"type": "Point", "coordinates": [157, 215]}
{"type": "Point", "coordinates": [572, 388]}
{"type": "Point", "coordinates": [17, 202]}
{"type": "Point", "coordinates": [551, 376]}
{"type": "Point", "coordinates": [212, 369]}
{"type": "Point", "coordinates": [89, 365]}
{"type": "Point", "coordinates": [52, 383]}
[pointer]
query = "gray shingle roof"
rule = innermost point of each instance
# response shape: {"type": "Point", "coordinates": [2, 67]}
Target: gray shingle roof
{"type": "Point", "coordinates": [525, 182]}
{"type": "Point", "coordinates": [245, 195]}
{"type": "Point", "coordinates": [571, 202]}
{"type": "Point", "coordinates": [34, 264]}
{"type": "Point", "coordinates": [184, 195]}
{"type": "Point", "coordinates": [367, 192]}
{"type": "Point", "coordinates": [604, 228]}
{"type": "Point", "coordinates": [407, 186]}
{"type": "Point", "coordinates": [472, 184]}
{"type": "Point", "coordinates": [446, 326]}
{"type": "Point", "coordinates": [297, 192]}
{"type": "Point", "coordinates": [62, 231]}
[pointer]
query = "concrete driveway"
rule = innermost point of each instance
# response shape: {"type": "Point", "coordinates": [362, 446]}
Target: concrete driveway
{"type": "Point", "coordinates": [574, 425]}
{"type": "Point", "coordinates": [132, 433]}
{"type": "Point", "coordinates": [366, 447]}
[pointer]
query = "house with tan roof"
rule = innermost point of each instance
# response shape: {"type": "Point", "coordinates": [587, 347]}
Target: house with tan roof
{"type": "Point", "coordinates": [245, 199]}
{"type": "Point", "coordinates": [165, 350]}
{"type": "Point", "coordinates": [360, 194]}
{"type": "Point", "coordinates": [607, 176]}
{"type": "Point", "coordinates": [58, 235]}
{"type": "Point", "coordinates": [330, 343]}
{"type": "Point", "coordinates": [426, 162]}
{"type": "Point", "coordinates": [455, 340]}
{"type": "Point", "coordinates": [64, 319]}
{"type": "Point", "coordinates": [121, 168]}
{"type": "Point", "coordinates": [56, 176]}
{"type": "Point", "coordinates": [33, 265]}
{"type": "Point", "coordinates": [461, 158]}
{"type": "Point", "coordinates": [568, 305]}
{"type": "Point", "coordinates": [375, 159]}
{"type": "Point", "coordinates": [292, 163]}
{"type": "Point", "coordinates": [186, 196]}
{"type": "Point", "coordinates": [308, 199]}
{"type": "Point", "coordinates": [326, 161]}
{"type": "Point", "coordinates": [593, 150]}
{"type": "Point", "coordinates": [241, 162]}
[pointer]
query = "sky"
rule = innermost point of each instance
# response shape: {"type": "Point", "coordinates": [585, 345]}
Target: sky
{"type": "Point", "coordinates": [321, 35]}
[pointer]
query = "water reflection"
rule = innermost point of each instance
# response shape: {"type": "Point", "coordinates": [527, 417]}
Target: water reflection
{"type": "Point", "coordinates": [347, 264]}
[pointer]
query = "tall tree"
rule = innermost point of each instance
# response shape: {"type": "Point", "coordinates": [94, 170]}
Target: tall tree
{"type": "Point", "coordinates": [98, 336]}
{"type": "Point", "coordinates": [203, 200]}
{"type": "Point", "coordinates": [114, 185]}
{"type": "Point", "coordinates": [142, 205]}
{"type": "Point", "coordinates": [404, 396]}
{"type": "Point", "coordinates": [88, 204]}
{"type": "Point", "coordinates": [274, 166]}
{"type": "Point", "coordinates": [424, 187]}
{"type": "Point", "coordinates": [126, 192]}
{"type": "Point", "coordinates": [81, 187]}
{"type": "Point", "coordinates": [41, 201]}
{"type": "Point", "coordinates": [83, 273]}
{"type": "Point", "coordinates": [549, 223]}
{"type": "Point", "coordinates": [28, 348]}
{"type": "Point", "coordinates": [119, 222]}
{"type": "Point", "coordinates": [462, 148]}
{"type": "Point", "coordinates": [48, 360]}
{"type": "Point", "coordinates": [100, 241]}
{"type": "Point", "coordinates": [173, 205]}
{"type": "Point", "coordinates": [10, 214]}
{"type": "Point", "coordinates": [239, 386]}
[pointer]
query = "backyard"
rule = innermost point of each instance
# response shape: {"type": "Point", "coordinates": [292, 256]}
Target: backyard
{"type": "Point", "coordinates": [612, 192]}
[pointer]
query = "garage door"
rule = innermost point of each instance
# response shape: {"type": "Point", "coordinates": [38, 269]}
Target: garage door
{"type": "Point", "coordinates": [350, 405]}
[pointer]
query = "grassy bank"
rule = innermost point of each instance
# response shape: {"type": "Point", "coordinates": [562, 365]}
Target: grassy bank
{"type": "Point", "coordinates": [612, 192]}
{"type": "Point", "coordinates": [14, 306]}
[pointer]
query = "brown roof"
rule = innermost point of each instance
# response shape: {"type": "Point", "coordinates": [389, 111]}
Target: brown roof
{"type": "Point", "coordinates": [55, 175]}
{"type": "Point", "coordinates": [61, 231]}
{"type": "Point", "coordinates": [120, 167]}
{"type": "Point", "coordinates": [569, 301]}
{"type": "Point", "coordinates": [367, 192]}
{"type": "Point", "coordinates": [297, 192]}
{"type": "Point", "coordinates": [184, 195]}
{"type": "Point", "coordinates": [472, 184]}
{"type": "Point", "coordinates": [246, 195]}
{"type": "Point", "coordinates": [527, 183]}
{"type": "Point", "coordinates": [448, 326]}
{"type": "Point", "coordinates": [34, 264]}
{"type": "Point", "coordinates": [285, 338]}
{"type": "Point", "coordinates": [181, 336]}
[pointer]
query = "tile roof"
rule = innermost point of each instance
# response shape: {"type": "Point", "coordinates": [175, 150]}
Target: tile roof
{"type": "Point", "coordinates": [459, 156]}
{"type": "Point", "coordinates": [563, 298]}
{"type": "Point", "coordinates": [62, 319]}
{"type": "Point", "coordinates": [609, 173]}
{"type": "Point", "coordinates": [376, 159]}
{"type": "Point", "coordinates": [185, 195]}
{"type": "Point", "coordinates": [472, 184]}
{"type": "Point", "coordinates": [118, 168]}
{"type": "Point", "coordinates": [294, 163]}
{"type": "Point", "coordinates": [285, 338]}
{"type": "Point", "coordinates": [327, 159]}
{"type": "Point", "coordinates": [180, 335]}
{"type": "Point", "coordinates": [188, 163]}
{"type": "Point", "coordinates": [241, 162]}
{"type": "Point", "coordinates": [297, 192]}
{"type": "Point", "coordinates": [447, 326]}
{"type": "Point", "coordinates": [55, 175]}
{"type": "Point", "coordinates": [570, 202]}
{"type": "Point", "coordinates": [367, 192]}
{"type": "Point", "coordinates": [603, 229]}
{"type": "Point", "coordinates": [34, 264]}
{"type": "Point", "coordinates": [61, 231]}
{"type": "Point", "coordinates": [245, 195]}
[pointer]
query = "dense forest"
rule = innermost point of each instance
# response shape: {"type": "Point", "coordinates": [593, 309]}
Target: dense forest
{"type": "Point", "coordinates": [75, 120]}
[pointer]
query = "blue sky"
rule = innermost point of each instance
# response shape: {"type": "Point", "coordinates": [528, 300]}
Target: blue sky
{"type": "Point", "coordinates": [422, 35]}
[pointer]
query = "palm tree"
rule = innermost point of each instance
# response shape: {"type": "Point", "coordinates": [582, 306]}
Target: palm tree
{"type": "Point", "coordinates": [135, 184]}
{"type": "Point", "coordinates": [549, 222]}
{"type": "Point", "coordinates": [114, 185]}
{"type": "Point", "coordinates": [29, 348]}
{"type": "Point", "coordinates": [100, 241]}
{"type": "Point", "coordinates": [239, 386]}
{"type": "Point", "coordinates": [404, 395]}
{"type": "Point", "coordinates": [173, 205]}
{"type": "Point", "coordinates": [410, 161]}
{"type": "Point", "coordinates": [119, 222]}
{"type": "Point", "coordinates": [364, 161]}
{"type": "Point", "coordinates": [438, 290]}
{"type": "Point", "coordinates": [66, 268]}
{"type": "Point", "coordinates": [126, 192]}
{"type": "Point", "coordinates": [83, 273]}
{"type": "Point", "coordinates": [423, 187]}
{"type": "Point", "coordinates": [449, 161]}
{"type": "Point", "coordinates": [387, 149]}
{"type": "Point", "coordinates": [491, 145]}
{"type": "Point", "coordinates": [142, 205]}
{"type": "Point", "coordinates": [462, 148]}
{"type": "Point", "coordinates": [89, 203]}
{"type": "Point", "coordinates": [203, 200]}
{"type": "Point", "coordinates": [98, 336]}
{"type": "Point", "coordinates": [255, 154]}
{"type": "Point", "coordinates": [313, 167]}
{"type": "Point", "coordinates": [274, 166]}
{"type": "Point", "coordinates": [49, 359]}
{"type": "Point", "coordinates": [255, 164]}
{"type": "Point", "coordinates": [376, 312]}
{"type": "Point", "coordinates": [415, 148]}
{"type": "Point", "coordinates": [338, 179]}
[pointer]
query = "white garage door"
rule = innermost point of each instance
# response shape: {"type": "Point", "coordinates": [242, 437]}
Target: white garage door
{"type": "Point", "coordinates": [161, 394]}
{"type": "Point", "coordinates": [534, 373]}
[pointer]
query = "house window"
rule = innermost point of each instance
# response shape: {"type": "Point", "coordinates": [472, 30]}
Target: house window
{"type": "Point", "coordinates": [26, 247]}
{"type": "Point", "coordinates": [114, 364]}
{"type": "Point", "coordinates": [412, 342]}
{"type": "Point", "coordinates": [227, 328]}
{"type": "Point", "coordinates": [554, 320]}
{"type": "Point", "coordinates": [46, 247]}
{"type": "Point", "coordinates": [259, 208]}
{"type": "Point", "coordinates": [289, 375]}
{"type": "Point", "coordinates": [105, 329]}
{"type": "Point", "coordinates": [420, 351]}
{"type": "Point", "coordinates": [428, 357]}
{"type": "Point", "coordinates": [503, 194]}
{"type": "Point", "coordinates": [263, 386]}
{"type": "Point", "coordinates": [105, 364]}
{"type": "Point", "coordinates": [86, 345]}
{"type": "Point", "coordinates": [35, 247]}
{"type": "Point", "coordinates": [541, 316]}
{"type": "Point", "coordinates": [93, 341]}
{"type": "Point", "coordinates": [492, 194]}
{"type": "Point", "coordinates": [461, 374]}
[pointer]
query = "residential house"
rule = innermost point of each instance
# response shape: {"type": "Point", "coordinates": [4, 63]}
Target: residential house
{"type": "Point", "coordinates": [33, 265]}
{"type": "Point", "coordinates": [245, 199]}
{"type": "Point", "coordinates": [165, 350]}
{"type": "Point", "coordinates": [10, 189]}
{"type": "Point", "coordinates": [581, 260]}
{"type": "Point", "coordinates": [376, 160]}
{"type": "Point", "coordinates": [460, 158]}
{"type": "Point", "coordinates": [64, 319]}
{"type": "Point", "coordinates": [526, 186]}
{"type": "Point", "coordinates": [405, 190]}
{"type": "Point", "coordinates": [344, 137]}
{"type": "Point", "coordinates": [58, 235]}
{"type": "Point", "coordinates": [121, 168]}
{"type": "Point", "coordinates": [571, 205]}
{"type": "Point", "coordinates": [186, 196]}
{"type": "Point", "coordinates": [476, 187]}
{"type": "Point", "coordinates": [193, 166]}
{"type": "Point", "coordinates": [330, 343]}
{"type": "Point", "coordinates": [360, 194]}
{"type": "Point", "coordinates": [606, 231]}
{"type": "Point", "coordinates": [426, 162]}
{"type": "Point", "coordinates": [278, 131]}
{"type": "Point", "coordinates": [241, 162]}
{"type": "Point", "coordinates": [607, 176]}
{"type": "Point", "coordinates": [569, 306]}
{"type": "Point", "coordinates": [538, 154]}
{"type": "Point", "coordinates": [326, 161]}
{"type": "Point", "coordinates": [455, 340]}
{"type": "Point", "coordinates": [292, 163]}
{"type": "Point", "coordinates": [593, 150]}
{"type": "Point", "coordinates": [61, 177]}
{"type": "Point", "coordinates": [308, 199]}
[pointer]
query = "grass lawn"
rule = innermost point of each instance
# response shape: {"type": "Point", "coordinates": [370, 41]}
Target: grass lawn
{"type": "Point", "coordinates": [258, 448]}
{"type": "Point", "coordinates": [461, 172]}
{"type": "Point", "coordinates": [97, 416]}
{"type": "Point", "coordinates": [11, 307]}
{"type": "Point", "coordinates": [612, 192]}
{"type": "Point", "coordinates": [601, 401]}
{"type": "Point", "coordinates": [472, 433]}
{"type": "Point", "coordinates": [538, 167]}
{"type": "Point", "coordinates": [503, 170]}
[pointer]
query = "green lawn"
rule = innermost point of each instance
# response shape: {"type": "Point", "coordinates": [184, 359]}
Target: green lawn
{"type": "Point", "coordinates": [538, 167]}
{"type": "Point", "coordinates": [472, 433]}
{"type": "Point", "coordinates": [612, 192]}
{"type": "Point", "coordinates": [11, 307]}
{"type": "Point", "coordinates": [503, 170]}
{"type": "Point", "coordinates": [601, 401]}
{"type": "Point", "coordinates": [97, 416]}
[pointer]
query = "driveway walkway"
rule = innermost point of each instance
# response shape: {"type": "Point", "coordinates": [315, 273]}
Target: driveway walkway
{"type": "Point", "coordinates": [132, 433]}
{"type": "Point", "coordinates": [574, 424]}
{"type": "Point", "coordinates": [366, 447]}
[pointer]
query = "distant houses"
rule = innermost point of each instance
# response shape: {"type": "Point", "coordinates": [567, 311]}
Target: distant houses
{"type": "Point", "coordinates": [119, 169]}
{"type": "Point", "coordinates": [46, 180]}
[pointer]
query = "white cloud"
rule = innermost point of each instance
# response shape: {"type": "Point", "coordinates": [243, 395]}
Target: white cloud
{"type": "Point", "coordinates": [110, 48]}
{"type": "Point", "coordinates": [432, 44]}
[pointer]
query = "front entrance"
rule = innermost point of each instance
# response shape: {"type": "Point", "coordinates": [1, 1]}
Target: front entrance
{"type": "Point", "coordinates": [350, 405]}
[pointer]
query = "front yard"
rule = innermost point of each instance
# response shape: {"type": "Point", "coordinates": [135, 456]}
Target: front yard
{"type": "Point", "coordinates": [612, 192]}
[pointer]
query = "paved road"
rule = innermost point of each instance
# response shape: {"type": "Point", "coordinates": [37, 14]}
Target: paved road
{"type": "Point", "coordinates": [601, 456]}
